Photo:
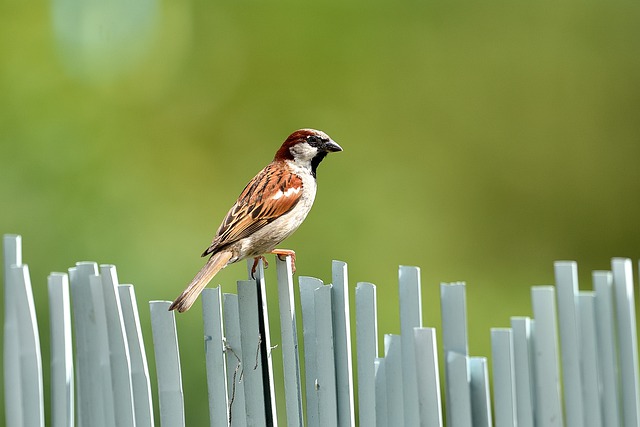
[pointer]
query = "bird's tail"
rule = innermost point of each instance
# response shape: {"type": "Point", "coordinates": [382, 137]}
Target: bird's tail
{"type": "Point", "coordinates": [186, 299]}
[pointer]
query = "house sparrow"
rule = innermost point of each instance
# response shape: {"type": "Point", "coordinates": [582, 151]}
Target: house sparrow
{"type": "Point", "coordinates": [270, 208]}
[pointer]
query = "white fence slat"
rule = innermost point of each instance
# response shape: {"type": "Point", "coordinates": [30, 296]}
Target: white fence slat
{"type": "Point", "coordinates": [458, 392]}
{"type": "Point", "coordinates": [566, 274]}
{"type": "Point", "coordinates": [430, 402]}
{"type": "Point", "coordinates": [342, 344]}
{"type": "Point", "coordinates": [607, 350]}
{"type": "Point", "coordinates": [381, 420]}
{"type": "Point", "coordinates": [307, 287]}
{"type": "Point", "coordinates": [504, 384]}
{"type": "Point", "coordinates": [119, 358]}
{"type": "Point", "coordinates": [289, 337]}
{"type": "Point", "coordinates": [627, 339]}
{"type": "Point", "coordinates": [167, 355]}
{"type": "Point", "coordinates": [29, 347]}
{"type": "Point", "coordinates": [325, 385]}
{"type": "Point", "coordinates": [254, 396]}
{"type": "Point", "coordinates": [233, 355]}
{"type": "Point", "coordinates": [480, 396]}
{"type": "Point", "coordinates": [367, 352]}
{"type": "Point", "coordinates": [548, 409]}
{"type": "Point", "coordinates": [89, 399]}
{"type": "Point", "coordinates": [410, 317]}
{"type": "Point", "coordinates": [454, 340]}
{"type": "Point", "coordinates": [265, 346]}
{"type": "Point", "coordinates": [62, 404]}
{"type": "Point", "coordinates": [591, 379]}
{"type": "Point", "coordinates": [12, 255]}
{"type": "Point", "coordinates": [214, 356]}
{"type": "Point", "coordinates": [393, 373]}
{"type": "Point", "coordinates": [523, 363]}
{"type": "Point", "coordinates": [104, 373]}
{"type": "Point", "coordinates": [140, 380]}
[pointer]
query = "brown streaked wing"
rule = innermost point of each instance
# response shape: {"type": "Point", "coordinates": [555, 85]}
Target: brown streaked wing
{"type": "Point", "coordinates": [259, 204]}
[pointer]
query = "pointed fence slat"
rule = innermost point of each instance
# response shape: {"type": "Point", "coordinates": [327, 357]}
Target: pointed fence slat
{"type": "Point", "coordinates": [307, 287]}
{"type": "Point", "coordinates": [118, 353]}
{"type": "Point", "coordinates": [566, 273]}
{"type": "Point", "coordinates": [393, 373]}
{"type": "Point", "coordinates": [627, 340]}
{"type": "Point", "coordinates": [140, 380]}
{"type": "Point", "coordinates": [523, 363]}
{"type": "Point", "coordinates": [342, 344]}
{"type": "Point", "coordinates": [62, 405]}
{"type": "Point", "coordinates": [367, 352]}
{"type": "Point", "coordinates": [591, 379]}
{"type": "Point", "coordinates": [430, 402]}
{"type": "Point", "coordinates": [548, 409]}
{"type": "Point", "coordinates": [233, 356]}
{"type": "Point", "coordinates": [29, 347]}
{"type": "Point", "coordinates": [289, 336]}
{"type": "Point", "coordinates": [606, 345]}
{"type": "Point", "coordinates": [504, 384]}
{"type": "Point", "coordinates": [214, 356]}
{"type": "Point", "coordinates": [410, 317]}
{"type": "Point", "coordinates": [325, 385]}
{"type": "Point", "coordinates": [165, 345]}
{"type": "Point", "coordinates": [14, 409]}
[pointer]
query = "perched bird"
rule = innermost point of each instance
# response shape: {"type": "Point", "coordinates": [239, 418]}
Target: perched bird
{"type": "Point", "coordinates": [270, 208]}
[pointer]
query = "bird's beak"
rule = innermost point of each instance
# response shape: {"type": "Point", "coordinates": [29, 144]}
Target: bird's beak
{"type": "Point", "coordinates": [331, 146]}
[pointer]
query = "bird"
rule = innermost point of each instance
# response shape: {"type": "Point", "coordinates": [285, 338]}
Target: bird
{"type": "Point", "coordinates": [270, 208]}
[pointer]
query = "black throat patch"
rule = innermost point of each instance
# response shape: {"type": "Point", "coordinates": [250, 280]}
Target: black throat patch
{"type": "Point", "coordinates": [316, 161]}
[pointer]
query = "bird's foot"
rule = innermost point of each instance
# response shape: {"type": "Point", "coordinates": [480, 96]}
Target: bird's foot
{"type": "Point", "coordinates": [282, 253]}
{"type": "Point", "coordinates": [256, 260]}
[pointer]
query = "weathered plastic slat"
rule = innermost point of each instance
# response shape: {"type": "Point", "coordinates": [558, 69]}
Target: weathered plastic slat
{"type": "Point", "coordinates": [589, 355]}
{"type": "Point", "coordinates": [140, 380]}
{"type": "Point", "coordinates": [504, 384]}
{"type": "Point", "coordinates": [167, 355]}
{"type": "Point", "coordinates": [393, 373]}
{"type": "Point", "coordinates": [480, 395]}
{"type": "Point", "coordinates": [367, 352]}
{"type": "Point", "coordinates": [523, 363]}
{"type": "Point", "coordinates": [342, 344]}
{"type": "Point", "coordinates": [12, 255]}
{"type": "Point", "coordinates": [607, 350]}
{"type": "Point", "coordinates": [627, 340]}
{"type": "Point", "coordinates": [325, 385]}
{"type": "Point", "coordinates": [62, 399]}
{"type": "Point", "coordinates": [459, 395]}
{"type": "Point", "coordinates": [89, 399]}
{"type": "Point", "coordinates": [307, 287]}
{"type": "Point", "coordinates": [214, 356]}
{"type": "Point", "coordinates": [429, 400]}
{"type": "Point", "coordinates": [29, 347]}
{"type": "Point", "coordinates": [566, 274]}
{"type": "Point", "coordinates": [118, 354]}
{"type": "Point", "coordinates": [410, 317]}
{"type": "Point", "coordinates": [233, 355]}
{"type": "Point", "coordinates": [548, 408]}
{"type": "Point", "coordinates": [289, 336]}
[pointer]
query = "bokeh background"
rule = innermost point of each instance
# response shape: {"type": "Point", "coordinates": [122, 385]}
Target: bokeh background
{"type": "Point", "coordinates": [483, 141]}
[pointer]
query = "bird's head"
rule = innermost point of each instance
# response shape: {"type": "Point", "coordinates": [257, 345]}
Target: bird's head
{"type": "Point", "coordinates": [307, 148]}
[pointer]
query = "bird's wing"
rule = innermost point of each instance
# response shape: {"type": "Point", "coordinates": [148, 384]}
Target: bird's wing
{"type": "Point", "coordinates": [269, 195]}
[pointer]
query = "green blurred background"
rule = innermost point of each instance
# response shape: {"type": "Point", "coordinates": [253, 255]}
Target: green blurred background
{"type": "Point", "coordinates": [483, 141]}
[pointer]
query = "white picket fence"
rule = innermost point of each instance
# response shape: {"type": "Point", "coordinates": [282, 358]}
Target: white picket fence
{"type": "Point", "coordinates": [105, 381]}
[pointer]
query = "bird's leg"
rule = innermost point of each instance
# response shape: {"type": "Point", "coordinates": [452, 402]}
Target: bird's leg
{"type": "Point", "coordinates": [255, 264]}
{"type": "Point", "coordinates": [286, 252]}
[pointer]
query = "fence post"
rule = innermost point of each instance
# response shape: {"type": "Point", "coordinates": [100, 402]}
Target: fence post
{"type": "Point", "coordinates": [167, 355]}
{"type": "Point", "coordinates": [430, 402]}
{"type": "Point", "coordinates": [325, 384]}
{"type": "Point", "coordinates": [504, 393]}
{"type": "Point", "coordinates": [62, 404]}
{"type": "Point", "coordinates": [307, 286]}
{"type": "Point", "coordinates": [367, 352]}
{"type": "Point", "coordinates": [523, 363]}
{"type": "Point", "coordinates": [393, 373]}
{"type": "Point", "coordinates": [591, 379]}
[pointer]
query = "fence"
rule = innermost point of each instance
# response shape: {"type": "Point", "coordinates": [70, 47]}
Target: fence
{"type": "Point", "coordinates": [107, 382]}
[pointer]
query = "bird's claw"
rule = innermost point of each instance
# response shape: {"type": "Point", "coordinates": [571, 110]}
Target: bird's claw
{"type": "Point", "coordinates": [256, 260]}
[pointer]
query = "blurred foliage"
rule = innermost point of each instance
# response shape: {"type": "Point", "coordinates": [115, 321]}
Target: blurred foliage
{"type": "Point", "coordinates": [483, 141]}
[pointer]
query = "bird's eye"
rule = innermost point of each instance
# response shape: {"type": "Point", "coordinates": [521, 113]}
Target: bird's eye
{"type": "Point", "coordinates": [312, 139]}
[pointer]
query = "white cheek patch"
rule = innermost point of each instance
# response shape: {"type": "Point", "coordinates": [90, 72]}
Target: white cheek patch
{"type": "Point", "coordinates": [288, 193]}
{"type": "Point", "coordinates": [304, 151]}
